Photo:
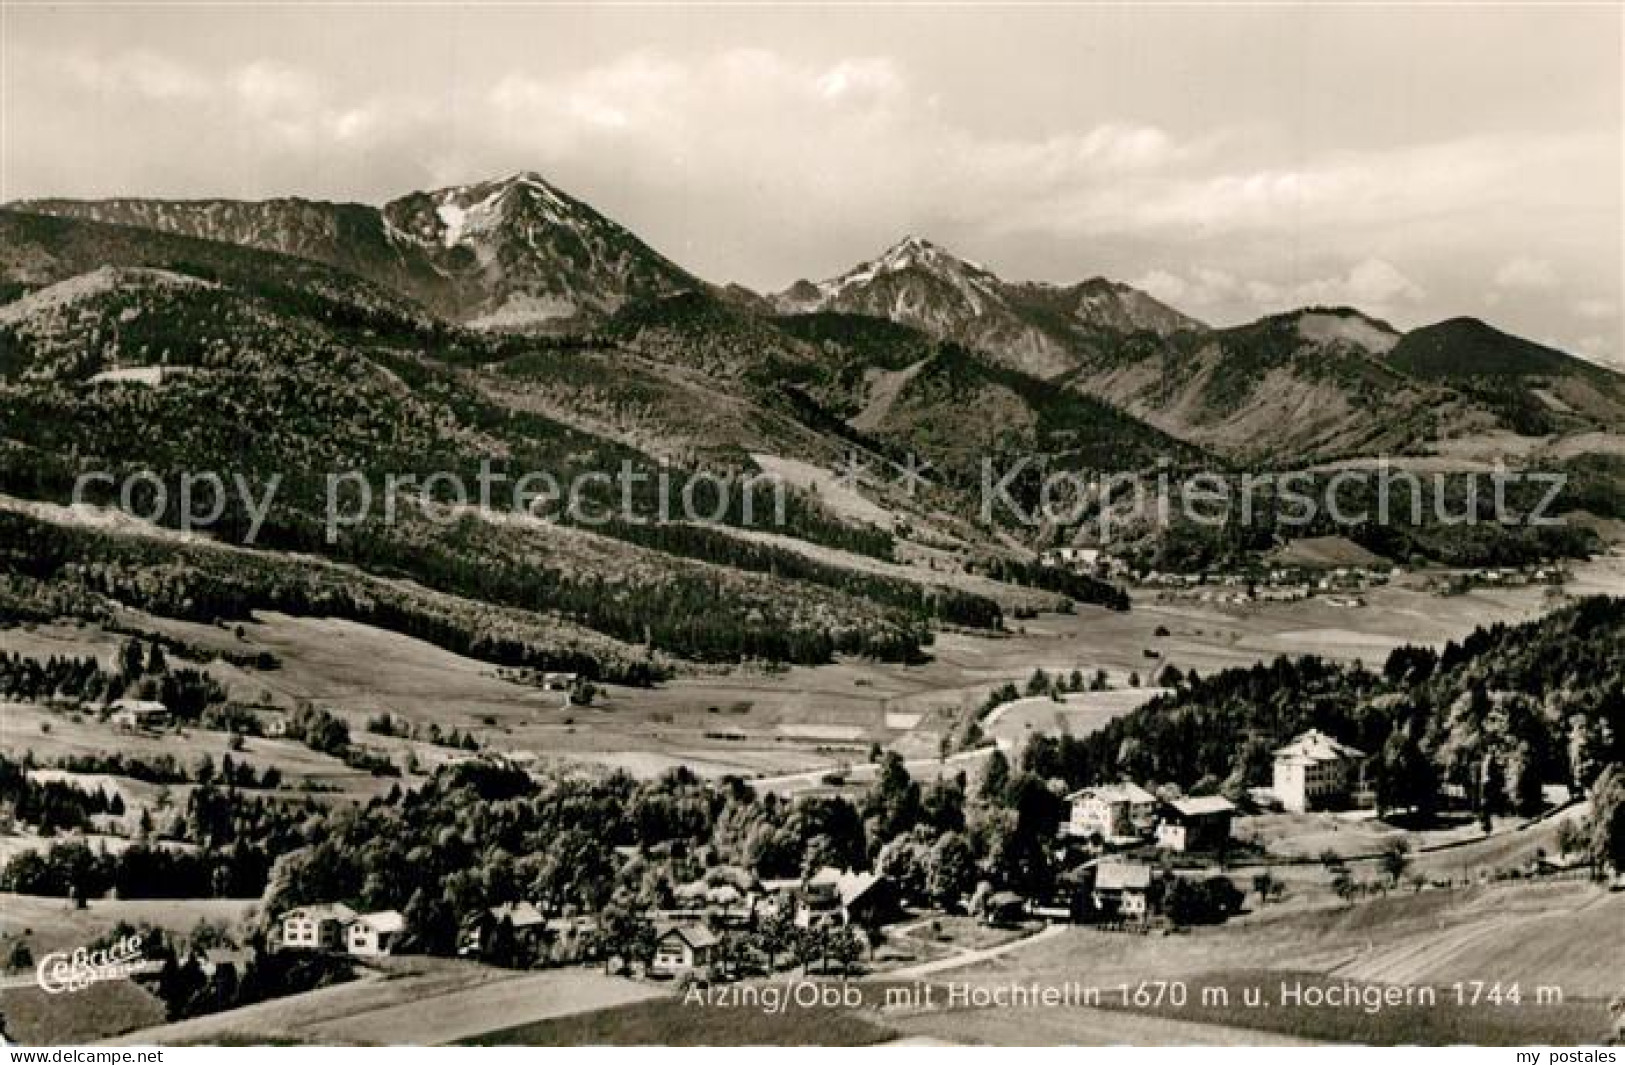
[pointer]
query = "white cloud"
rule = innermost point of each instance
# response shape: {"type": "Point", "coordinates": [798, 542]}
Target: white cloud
{"type": "Point", "coordinates": [138, 72]}
{"type": "Point", "coordinates": [1524, 272]}
{"type": "Point", "coordinates": [1379, 282]}
{"type": "Point", "coordinates": [1204, 290]}
{"type": "Point", "coordinates": [1375, 286]}
{"type": "Point", "coordinates": [751, 164]}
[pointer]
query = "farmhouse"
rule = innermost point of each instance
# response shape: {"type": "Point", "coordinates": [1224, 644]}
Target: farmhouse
{"type": "Point", "coordinates": [316, 927]}
{"type": "Point", "coordinates": [373, 935]}
{"type": "Point", "coordinates": [867, 899]}
{"type": "Point", "coordinates": [1199, 824]}
{"type": "Point", "coordinates": [1317, 772]}
{"type": "Point", "coordinates": [1123, 890]}
{"type": "Point", "coordinates": [1117, 813]}
{"type": "Point", "coordinates": [833, 897]}
{"type": "Point", "coordinates": [525, 920]}
{"type": "Point", "coordinates": [683, 949]}
{"type": "Point", "coordinates": [1081, 557]}
{"type": "Point", "coordinates": [218, 959]}
{"type": "Point", "coordinates": [1004, 908]}
{"type": "Point", "coordinates": [140, 714]}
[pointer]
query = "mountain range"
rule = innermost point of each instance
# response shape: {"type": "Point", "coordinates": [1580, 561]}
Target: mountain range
{"type": "Point", "coordinates": [520, 255]}
{"type": "Point", "coordinates": [510, 319]}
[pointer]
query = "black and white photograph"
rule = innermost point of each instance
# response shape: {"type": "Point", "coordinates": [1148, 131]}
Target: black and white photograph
{"type": "Point", "coordinates": [532, 524]}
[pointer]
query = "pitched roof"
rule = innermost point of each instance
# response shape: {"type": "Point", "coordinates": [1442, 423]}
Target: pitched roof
{"type": "Point", "coordinates": [1123, 876]}
{"type": "Point", "coordinates": [1203, 804]}
{"type": "Point", "coordinates": [853, 886]}
{"type": "Point", "coordinates": [519, 914]}
{"type": "Point", "coordinates": [1127, 791]}
{"type": "Point", "coordinates": [383, 921]}
{"type": "Point", "coordinates": [141, 706]}
{"type": "Point", "coordinates": [826, 877]}
{"type": "Point", "coordinates": [696, 936]}
{"type": "Point", "coordinates": [1316, 746]}
{"type": "Point", "coordinates": [327, 911]}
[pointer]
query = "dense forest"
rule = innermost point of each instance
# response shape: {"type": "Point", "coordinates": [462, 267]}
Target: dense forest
{"type": "Point", "coordinates": [1496, 715]}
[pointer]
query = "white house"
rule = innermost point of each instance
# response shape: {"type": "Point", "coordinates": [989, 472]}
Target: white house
{"type": "Point", "coordinates": [316, 927]}
{"type": "Point", "coordinates": [683, 949]}
{"type": "Point", "coordinates": [1123, 889]}
{"type": "Point", "coordinates": [1117, 813]}
{"type": "Point", "coordinates": [1081, 557]}
{"type": "Point", "coordinates": [139, 714]}
{"type": "Point", "coordinates": [1198, 824]}
{"type": "Point", "coordinates": [373, 935]}
{"type": "Point", "coordinates": [1316, 772]}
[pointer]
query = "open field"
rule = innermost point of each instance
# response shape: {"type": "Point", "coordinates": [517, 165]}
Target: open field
{"type": "Point", "coordinates": [1353, 833]}
{"type": "Point", "coordinates": [416, 1001]}
{"type": "Point", "coordinates": [667, 1021]}
{"type": "Point", "coordinates": [763, 722]}
{"type": "Point", "coordinates": [51, 735]}
{"type": "Point", "coordinates": [34, 1018]}
{"type": "Point", "coordinates": [1076, 1026]}
{"type": "Point", "coordinates": [1326, 552]}
{"type": "Point", "coordinates": [51, 924]}
{"type": "Point", "coordinates": [1075, 714]}
{"type": "Point", "coordinates": [1217, 998]}
{"type": "Point", "coordinates": [1562, 935]}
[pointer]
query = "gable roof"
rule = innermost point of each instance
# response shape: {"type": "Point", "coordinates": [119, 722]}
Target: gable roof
{"type": "Point", "coordinates": [696, 936]}
{"type": "Point", "coordinates": [853, 886]}
{"type": "Point", "coordinates": [1203, 804]}
{"type": "Point", "coordinates": [141, 706]}
{"type": "Point", "coordinates": [1316, 746]}
{"type": "Point", "coordinates": [1123, 876]}
{"type": "Point", "coordinates": [383, 921]}
{"type": "Point", "coordinates": [826, 877]}
{"type": "Point", "coordinates": [326, 911]}
{"type": "Point", "coordinates": [1127, 791]}
{"type": "Point", "coordinates": [519, 914]}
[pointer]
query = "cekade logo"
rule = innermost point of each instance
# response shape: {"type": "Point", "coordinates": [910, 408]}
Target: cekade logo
{"type": "Point", "coordinates": [62, 971]}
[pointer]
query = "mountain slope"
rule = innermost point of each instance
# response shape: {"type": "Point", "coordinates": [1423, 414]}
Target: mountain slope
{"type": "Point", "coordinates": [1536, 389]}
{"type": "Point", "coordinates": [955, 407]}
{"type": "Point", "coordinates": [1033, 328]}
{"type": "Point", "coordinates": [511, 254]}
{"type": "Point", "coordinates": [1287, 387]}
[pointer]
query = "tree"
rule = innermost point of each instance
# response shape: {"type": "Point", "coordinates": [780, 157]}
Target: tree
{"type": "Point", "coordinates": [950, 869]}
{"type": "Point", "coordinates": [995, 778]}
{"type": "Point", "coordinates": [1396, 858]}
{"type": "Point", "coordinates": [1606, 839]}
{"type": "Point", "coordinates": [1405, 777]}
{"type": "Point", "coordinates": [21, 959]}
{"type": "Point", "coordinates": [845, 946]}
{"type": "Point", "coordinates": [430, 924]}
{"type": "Point", "coordinates": [775, 935]}
{"type": "Point", "coordinates": [130, 662]}
{"type": "Point", "coordinates": [893, 801]}
{"type": "Point", "coordinates": [500, 948]}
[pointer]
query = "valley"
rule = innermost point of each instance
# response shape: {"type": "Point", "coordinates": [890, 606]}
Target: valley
{"type": "Point", "coordinates": [855, 742]}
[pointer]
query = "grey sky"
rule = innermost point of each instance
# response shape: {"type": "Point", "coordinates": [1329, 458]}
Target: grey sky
{"type": "Point", "coordinates": [1419, 162]}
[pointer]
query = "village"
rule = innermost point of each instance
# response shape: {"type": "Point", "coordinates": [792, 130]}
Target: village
{"type": "Point", "coordinates": [1114, 850]}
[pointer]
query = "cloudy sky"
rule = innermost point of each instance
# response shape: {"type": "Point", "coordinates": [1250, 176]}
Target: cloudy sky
{"type": "Point", "coordinates": [1419, 162]}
